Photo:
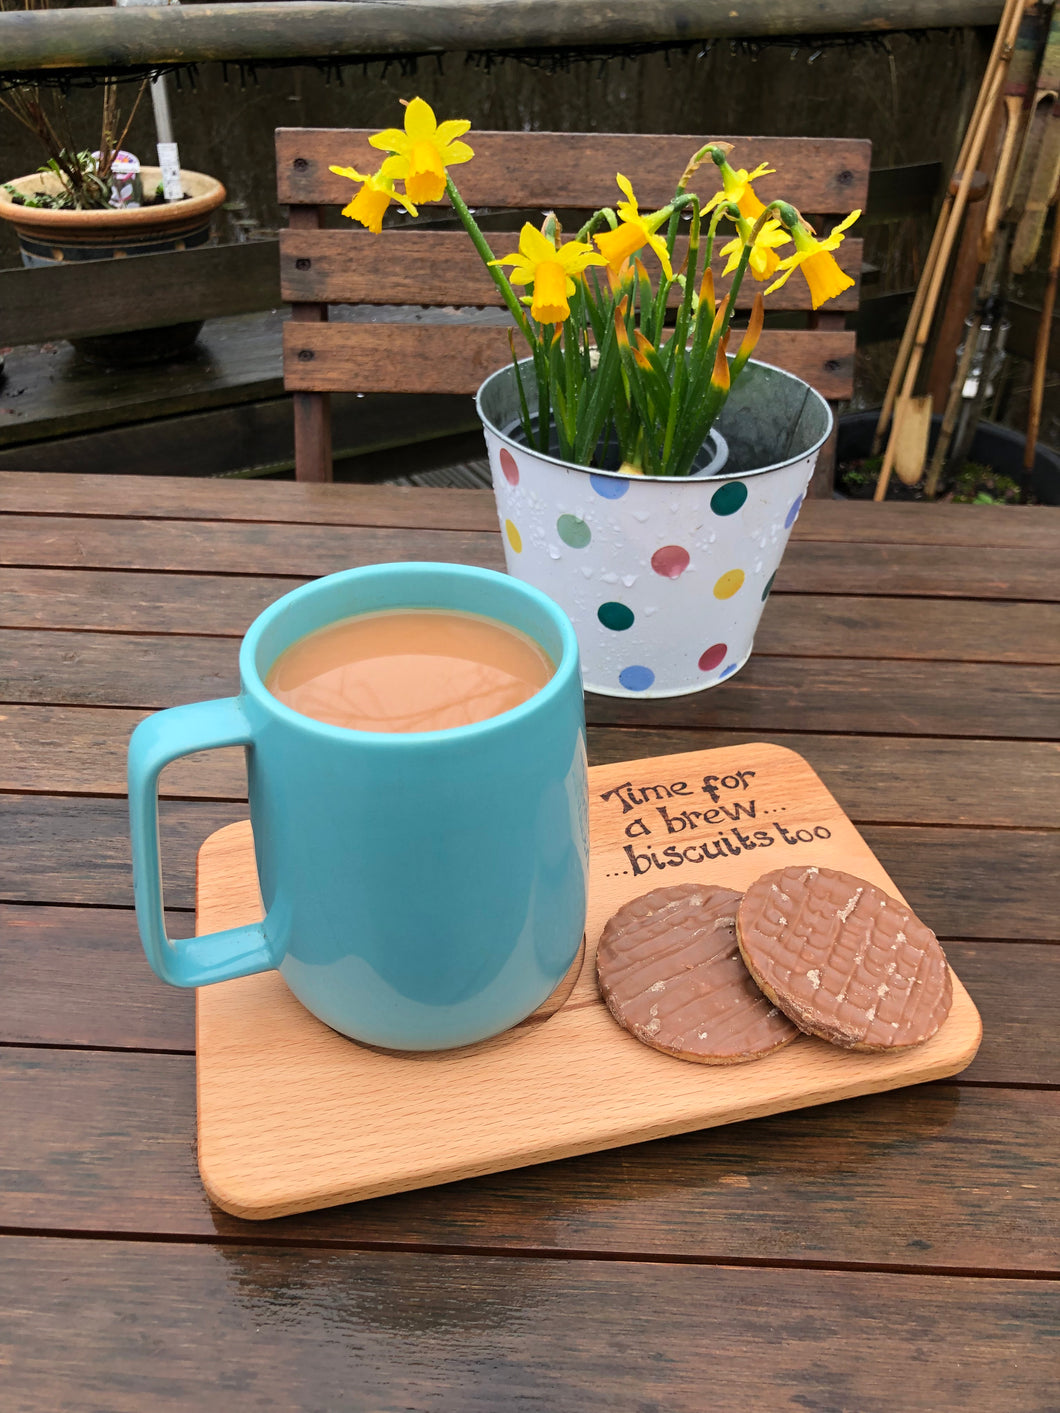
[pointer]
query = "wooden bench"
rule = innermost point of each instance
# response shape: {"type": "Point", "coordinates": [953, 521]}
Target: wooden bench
{"type": "Point", "coordinates": [413, 309]}
{"type": "Point", "coordinates": [219, 409]}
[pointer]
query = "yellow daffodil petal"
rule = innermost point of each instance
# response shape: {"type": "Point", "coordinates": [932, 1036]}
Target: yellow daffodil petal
{"type": "Point", "coordinates": [425, 178]}
{"type": "Point", "coordinates": [762, 262]}
{"type": "Point", "coordinates": [549, 270]}
{"type": "Point", "coordinates": [814, 258]}
{"type": "Point", "coordinates": [456, 152]}
{"type": "Point", "coordinates": [626, 187]}
{"type": "Point", "coordinates": [835, 237]}
{"type": "Point", "coordinates": [389, 140]}
{"type": "Point", "coordinates": [576, 255]}
{"type": "Point", "coordinates": [394, 167]}
{"type": "Point", "coordinates": [783, 279]}
{"type": "Point", "coordinates": [659, 246]}
{"type": "Point", "coordinates": [618, 245]}
{"type": "Point", "coordinates": [733, 250]}
{"type": "Point", "coordinates": [368, 207]}
{"type": "Point", "coordinates": [749, 204]}
{"type": "Point", "coordinates": [535, 245]}
{"type": "Point", "coordinates": [550, 305]}
{"type": "Point", "coordinates": [376, 193]}
{"type": "Point", "coordinates": [420, 123]}
{"type": "Point", "coordinates": [824, 277]}
{"type": "Point", "coordinates": [451, 129]}
{"type": "Point", "coordinates": [409, 206]}
{"type": "Point", "coordinates": [423, 152]}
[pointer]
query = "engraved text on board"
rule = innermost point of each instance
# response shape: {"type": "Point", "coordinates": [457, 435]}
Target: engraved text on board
{"type": "Point", "coordinates": [675, 822]}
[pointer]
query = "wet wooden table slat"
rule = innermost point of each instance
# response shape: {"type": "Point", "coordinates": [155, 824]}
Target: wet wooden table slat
{"type": "Point", "coordinates": [909, 653]}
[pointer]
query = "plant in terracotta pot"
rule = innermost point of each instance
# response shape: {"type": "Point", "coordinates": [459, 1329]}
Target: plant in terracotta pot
{"type": "Point", "coordinates": [100, 204]}
{"type": "Point", "coordinates": [646, 476]}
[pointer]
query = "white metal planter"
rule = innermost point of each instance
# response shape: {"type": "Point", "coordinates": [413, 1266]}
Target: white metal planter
{"type": "Point", "coordinates": [664, 578]}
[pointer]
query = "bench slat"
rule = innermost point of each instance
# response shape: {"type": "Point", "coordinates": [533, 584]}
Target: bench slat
{"type": "Point", "coordinates": [141, 292]}
{"type": "Point", "coordinates": [422, 267]}
{"type": "Point", "coordinates": [447, 358]}
{"type": "Point", "coordinates": [819, 175]}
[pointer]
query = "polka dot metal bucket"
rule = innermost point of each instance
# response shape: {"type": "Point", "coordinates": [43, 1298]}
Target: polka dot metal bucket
{"type": "Point", "coordinates": [664, 578]}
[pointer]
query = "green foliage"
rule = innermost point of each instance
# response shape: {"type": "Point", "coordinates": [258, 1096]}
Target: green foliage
{"type": "Point", "coordinates": [614, 375]}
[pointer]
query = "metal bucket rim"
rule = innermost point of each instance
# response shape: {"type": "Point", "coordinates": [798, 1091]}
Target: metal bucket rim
{"type": "Point", "coordinates": [722, 477]}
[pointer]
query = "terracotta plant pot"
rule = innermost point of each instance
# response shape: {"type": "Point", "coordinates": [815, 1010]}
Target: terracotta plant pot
{"type": "Point", "coordinates": [49, 237]}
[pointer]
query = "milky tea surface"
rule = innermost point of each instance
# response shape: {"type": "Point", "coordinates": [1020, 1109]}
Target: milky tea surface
{"type": "Point", "coordinates": [409, 670]}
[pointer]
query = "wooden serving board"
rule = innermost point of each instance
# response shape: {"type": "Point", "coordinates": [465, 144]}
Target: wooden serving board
{"type": "Point", "coordinates": [293, 1116]}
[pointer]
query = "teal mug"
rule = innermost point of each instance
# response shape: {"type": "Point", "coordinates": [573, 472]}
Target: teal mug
{"type": "Point", "coordinates": [422, 890]}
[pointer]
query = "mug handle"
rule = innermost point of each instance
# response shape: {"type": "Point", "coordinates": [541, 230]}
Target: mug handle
{"type": "Point", "coordinates": [160, 739]}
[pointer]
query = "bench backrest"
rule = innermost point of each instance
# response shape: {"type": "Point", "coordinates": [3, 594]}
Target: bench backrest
{"type": "Point", "coordinates": [384, 340]}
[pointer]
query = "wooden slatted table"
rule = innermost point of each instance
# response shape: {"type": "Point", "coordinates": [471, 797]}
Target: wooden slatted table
{"type": "Point", "coordinates": [893, 1252]}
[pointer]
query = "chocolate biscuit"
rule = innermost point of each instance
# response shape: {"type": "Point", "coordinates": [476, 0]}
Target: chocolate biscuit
{"type": "Point", "coordinates": [843, 960]}
{"type": "Point", "coordinates": [670, 972]}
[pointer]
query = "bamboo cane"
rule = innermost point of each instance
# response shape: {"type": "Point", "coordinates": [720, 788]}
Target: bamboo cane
{"type": "Point", "coordinates": [1002, 177]}
{"type": "Point", "coordinates": [988, 287]}
{"type": "Point", "coordinates": [993, 84]}
{"type": "Point", "coordinates": [1004, 39]}
{"type": "Point", "coordinates": [1041, 348]}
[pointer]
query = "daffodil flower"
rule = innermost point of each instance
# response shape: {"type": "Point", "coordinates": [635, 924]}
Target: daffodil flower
{"type": "Point", "coordinates": [423, 152]}
{"type": "Point", "coordinates": [376, 193]}
{"type": "Point", "coordinates": [550, 269]}
{"type": "Point", "coordinates": [763, 260]}
{"type": "Point", "coordinates": [737, 188]}
{"type": "Point", "coordinates": [633, 232]}
{"type": "Point", "coordinates": [815, 259]}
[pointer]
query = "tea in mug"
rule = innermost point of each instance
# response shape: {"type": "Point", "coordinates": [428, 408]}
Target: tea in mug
{"type": "Point", "coordinates": [406, 670]}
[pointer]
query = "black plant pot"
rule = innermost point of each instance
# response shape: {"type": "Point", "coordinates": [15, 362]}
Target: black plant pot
{"type": "Point", "coordinates": [999, 447]}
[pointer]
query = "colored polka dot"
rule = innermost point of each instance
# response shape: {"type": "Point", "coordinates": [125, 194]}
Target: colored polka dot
{"type": "Point", "coordinates": [636, 679]}
{"type": "Point", "coordinates": [727, 499]}
{"type": "Point", "coordinates": [769, 585]}
{"type": "Point", "coordinates": [671, 561]}
{"type": "Point", "coordinates": [793, 512]}
{"type": "Point", "coordinates": [615, 616]}
{"type": "Point", "coordinates": [610, 487]}
{"type": "Point", "coordinates": [730, 583]}
{"type": "Point", "coordinates": [730, 669]}
{"type": "Point", "coordinates": [573, 532]}
{"type": "Point", "coordinates": [712, 657]}
{"type": "Point", "coordinates": [509, 467]}
{"type": "Point", "coordinates": [514, 537]}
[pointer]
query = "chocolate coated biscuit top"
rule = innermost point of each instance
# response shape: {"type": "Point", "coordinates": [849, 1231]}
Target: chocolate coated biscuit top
{"type": "Point", "coordinates": [843, 959]}
{"type": "Point", "coordinates": [670, 971]}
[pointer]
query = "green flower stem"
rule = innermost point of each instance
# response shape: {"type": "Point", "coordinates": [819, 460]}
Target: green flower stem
{"type": "Point", "coordinates": [725, 209]}
{"type": "Point", "coordinates": [714, 402]}
{"type": "Point", "coordinates": [480, 243]}
{"type": "Point", "coordinates": [741, 268]}
{"type": "Point", "coordinates": [605, 216]}
{"type": "Point", "coordinates": [680, 337]}
{"type": "Point", "coordinates": [713, 150]}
